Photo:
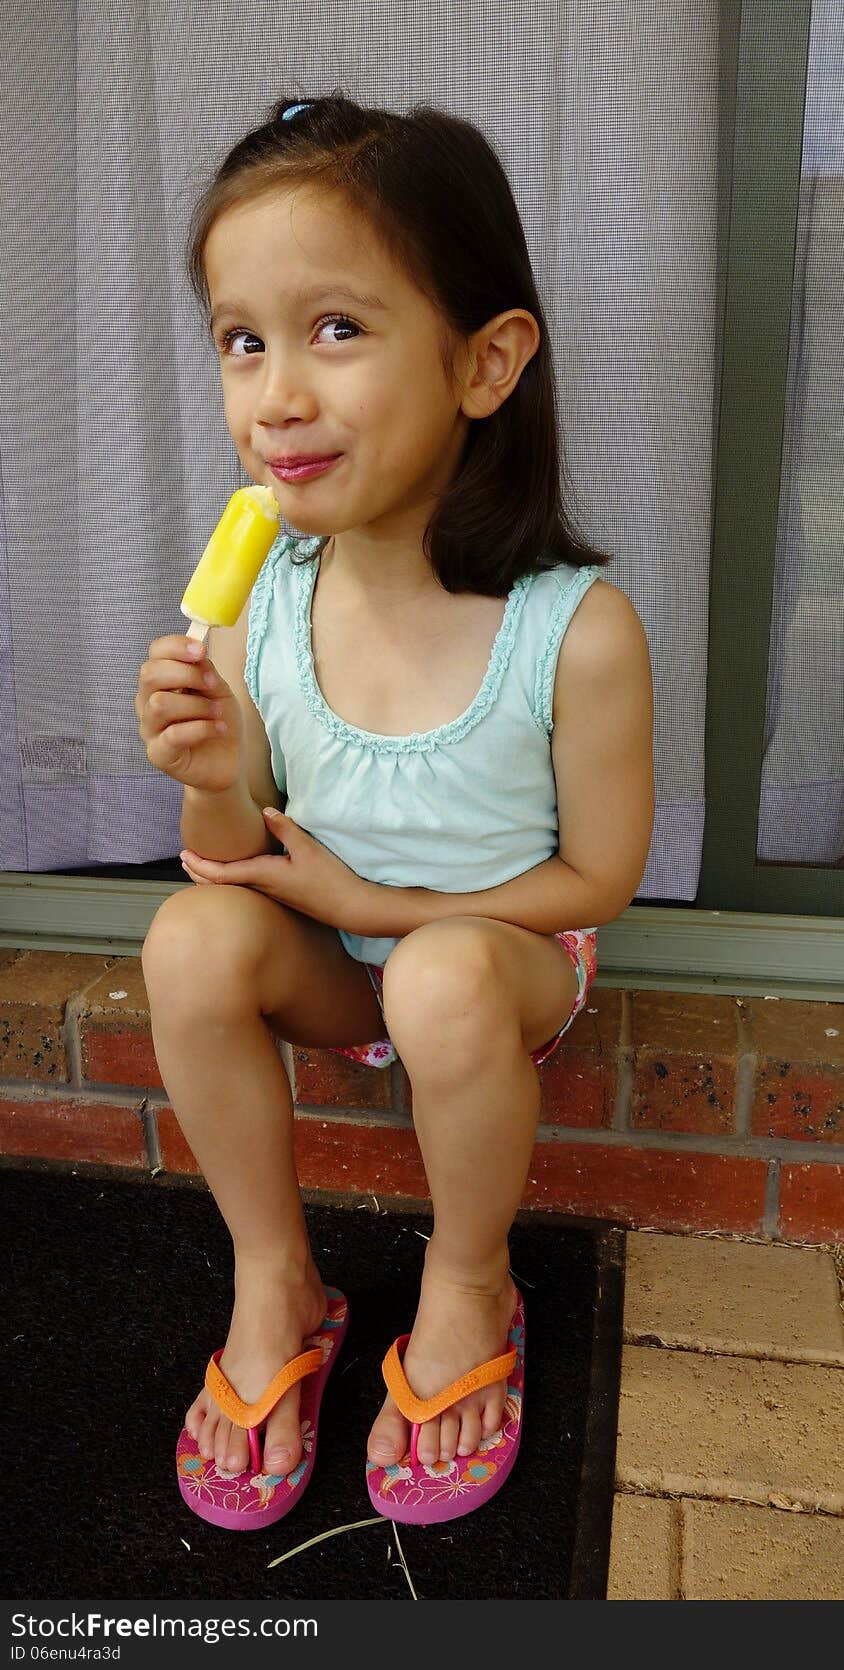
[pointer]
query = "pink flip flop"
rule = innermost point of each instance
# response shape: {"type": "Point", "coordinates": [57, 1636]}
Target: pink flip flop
{"type": "Point", "coordinates": [421, 1493]}
{"type": "Point", "coordinates": [253, 1499]}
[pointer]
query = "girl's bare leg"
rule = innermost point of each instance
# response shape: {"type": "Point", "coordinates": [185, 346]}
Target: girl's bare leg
{"type": "Point", "coordinates": [476, 1100]}
{"type": "Point", "coordinates": [216, 961]}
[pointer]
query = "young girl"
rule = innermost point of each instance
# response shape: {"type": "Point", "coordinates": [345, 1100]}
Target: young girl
{"type": "Point", "coordinates": [417, 774]}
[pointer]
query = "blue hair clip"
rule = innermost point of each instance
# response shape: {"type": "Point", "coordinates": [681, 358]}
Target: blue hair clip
{"type": "Point", "coordinates": [293, 110]}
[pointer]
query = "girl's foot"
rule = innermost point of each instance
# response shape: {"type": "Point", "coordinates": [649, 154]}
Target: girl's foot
{"type": "Point", "coordinates": [458, 1326]}
{"type": "Point", "coordinates": [275, 1309]}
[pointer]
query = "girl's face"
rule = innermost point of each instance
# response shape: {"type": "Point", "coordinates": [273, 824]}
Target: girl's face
{"type": "Point", "coordinates": [307, 367]}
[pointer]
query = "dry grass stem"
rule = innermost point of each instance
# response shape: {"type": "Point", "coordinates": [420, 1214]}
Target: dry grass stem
{"type": "Point", "coordinates": [356, 1525]}
{"type": "Point", "coordinates": [403, 1561]}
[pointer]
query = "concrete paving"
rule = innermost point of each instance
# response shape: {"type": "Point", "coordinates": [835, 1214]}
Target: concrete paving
{"type": "Point", "coordinates": [730, 1453]}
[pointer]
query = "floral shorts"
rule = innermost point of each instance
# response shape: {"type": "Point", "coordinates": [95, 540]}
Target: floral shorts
{"type": "Point", "coordinates": [582, 947]}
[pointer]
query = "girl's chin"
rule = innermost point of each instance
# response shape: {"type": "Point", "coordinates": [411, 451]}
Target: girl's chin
{"type": "Point", "coordinates": [306, 528]}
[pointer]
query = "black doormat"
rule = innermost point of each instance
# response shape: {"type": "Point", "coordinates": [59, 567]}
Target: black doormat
{"type": "Point", "coordinates": [120, 1289]}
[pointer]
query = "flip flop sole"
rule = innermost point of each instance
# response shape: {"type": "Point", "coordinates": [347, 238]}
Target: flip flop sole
{"type": "Point", "coordinates": [251, 1501]}
{"type": "Point", "coordinates": [431, 1494]}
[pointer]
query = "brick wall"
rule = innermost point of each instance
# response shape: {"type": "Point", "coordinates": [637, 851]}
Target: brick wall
{"type": "Point", "coordinates": [662, 1110]}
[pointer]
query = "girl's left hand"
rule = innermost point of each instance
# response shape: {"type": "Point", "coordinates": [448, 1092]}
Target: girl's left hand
{"type": "Point", "coordinates": [307, 876]}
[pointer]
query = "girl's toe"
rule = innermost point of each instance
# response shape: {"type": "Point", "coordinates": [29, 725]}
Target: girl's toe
{"type": "Point", "coordinates": [221, 1443]}
{"type": "Point", "coordinates": [237, 1450]}
{"type": "Point", "coordinates": [449, 1434]}
{"type": "Point", "coordinates": [388, 1439]}
{"type": "Point", "coordinates": [470, 1432]}
{"type": "Point", "coordinates": [208, 1434]}
{"type": "Point", "coordinates": [494, 1413]}
{"type": "Point", "coordinates": [428, 1447]}
{"type": "Point", "coordinates": [282, 1441]}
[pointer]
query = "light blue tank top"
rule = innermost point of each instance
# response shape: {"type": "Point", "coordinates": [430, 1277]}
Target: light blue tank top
{"type": "Point", "coordinates": [458, 809]}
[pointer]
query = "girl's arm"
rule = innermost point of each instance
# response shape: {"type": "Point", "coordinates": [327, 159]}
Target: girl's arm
{"type": "Point", "coordinates": [229, 825]}
{"type": "Point", "coordinates": [224, 825]}
{"type": "Point", "coordinates": [548, 898]}
{"type": "Point", "coordinates": [602, 754]}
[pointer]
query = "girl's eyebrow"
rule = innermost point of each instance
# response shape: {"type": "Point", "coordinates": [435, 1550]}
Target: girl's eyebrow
{"type": "Point", "coordinates": [319, 292]}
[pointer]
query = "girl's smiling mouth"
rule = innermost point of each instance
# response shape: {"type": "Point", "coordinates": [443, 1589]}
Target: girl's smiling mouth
{"type": "Point", "coordinates": [303, 471]}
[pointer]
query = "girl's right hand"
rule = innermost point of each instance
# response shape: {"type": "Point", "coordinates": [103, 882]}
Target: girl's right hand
{"type": "Point", "coordinates": [177, 721]}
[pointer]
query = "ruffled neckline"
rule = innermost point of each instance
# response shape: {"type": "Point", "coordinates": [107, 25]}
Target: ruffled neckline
{"type": "Point", "coordinates": [417, 741]}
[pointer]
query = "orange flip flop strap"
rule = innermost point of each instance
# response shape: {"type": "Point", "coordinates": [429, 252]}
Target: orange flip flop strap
{"type": "Point", "coordinates": [251, 1414]}
{"type": "Point", "coordinates": [421, 1409]}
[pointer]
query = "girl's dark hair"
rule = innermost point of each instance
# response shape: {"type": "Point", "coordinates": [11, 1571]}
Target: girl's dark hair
{"type": "Point", "coordinates": [436, 195]}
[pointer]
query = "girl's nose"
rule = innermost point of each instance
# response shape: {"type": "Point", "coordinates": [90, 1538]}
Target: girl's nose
{"type": "Point", "coordinates": [284, 393]}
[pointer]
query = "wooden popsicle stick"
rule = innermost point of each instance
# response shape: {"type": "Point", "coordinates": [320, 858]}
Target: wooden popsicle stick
{"type": "Point", "coordinates": [199, 630]}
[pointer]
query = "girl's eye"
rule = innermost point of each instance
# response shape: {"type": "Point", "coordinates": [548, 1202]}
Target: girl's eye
{"type": "Point", "coordinates": [229, 337]}
{"type": "Point", "coordinates": [330, 319]}
{"type": "Point", "coordinates": [340, 319]}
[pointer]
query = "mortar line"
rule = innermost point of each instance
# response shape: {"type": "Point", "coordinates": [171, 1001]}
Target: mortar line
{"type": "Point", "coordinates": [625, 1079]}
{"type": "Point", "coordinates": [731, 1349]}
{"type": "Point", "coordinates": [680, 1526]}
{"type": "Point", "coordinates": [661, 1493]}
{"type": "Point", "coordinates": [726, 1146]}
{"type": "Point", "coordinates": [72, 1038]}
{"type": "Point", "coordinates": [70, 1030]}
{"type": "Point", "coordinates": [746, 1071]}
{"type": "Point", "coordinates": [770, 1216]}
{"type": "Point", "coordinates": [149, 1120]}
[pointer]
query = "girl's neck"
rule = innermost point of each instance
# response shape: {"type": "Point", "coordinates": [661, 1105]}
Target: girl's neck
{"type": "Point", "coordinates": [391, 576]}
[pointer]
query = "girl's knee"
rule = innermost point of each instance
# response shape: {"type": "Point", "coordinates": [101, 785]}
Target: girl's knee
{"type": "Point", "coordinates": [443, 982]}
{"type": "Point", "coordinates": [202, 937]}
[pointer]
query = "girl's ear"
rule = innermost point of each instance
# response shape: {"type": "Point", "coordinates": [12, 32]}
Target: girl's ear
{"type": "Point", "coordinates": [502, 349]}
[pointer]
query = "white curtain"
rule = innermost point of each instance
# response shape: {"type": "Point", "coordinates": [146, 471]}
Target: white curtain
{"type": "Point", "coordinates": [114, 456]}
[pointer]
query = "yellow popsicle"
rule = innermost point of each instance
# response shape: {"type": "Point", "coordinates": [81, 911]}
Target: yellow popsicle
{"type": "Point", "coordinates": [230, 563]}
